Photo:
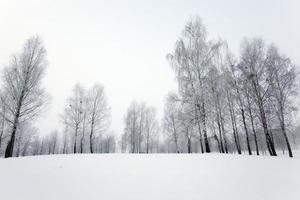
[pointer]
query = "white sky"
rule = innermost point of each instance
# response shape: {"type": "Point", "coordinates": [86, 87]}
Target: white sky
{"type": "Point", "coordinates": [123, 44]}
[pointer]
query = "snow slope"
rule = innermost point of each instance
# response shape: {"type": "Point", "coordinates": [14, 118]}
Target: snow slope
{"type": "Point", "coordinates": [149, 177]}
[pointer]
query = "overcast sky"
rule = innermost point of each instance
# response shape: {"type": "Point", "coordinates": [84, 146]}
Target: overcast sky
{"type": "Point", "coordinates": [123, 44]}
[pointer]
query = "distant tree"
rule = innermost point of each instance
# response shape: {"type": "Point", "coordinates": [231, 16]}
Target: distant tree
{"type": "Point", "coordinates": [131, 127]}
{"type": "Point", "coordinates": [73, 116]}
{"type": "Point", "coordinates": [171, 121]}
{"type": "Point", "coordinates": [151, 128]}
{"type": "Point", "coordinates": [98, 113]}
{"type": "Point", "coordinates": [53, 142]}
{"type": "Point", "coordinates": [140, 130]}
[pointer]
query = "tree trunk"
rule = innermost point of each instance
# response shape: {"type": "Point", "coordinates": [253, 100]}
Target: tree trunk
{"type": "Point", "coordinates": [10, 145]}
{"type": "Point", "coordinates": [176, 144]}
{"type": "Point", "coordinates": [220, 134]}
{"type": "Point", "coordinates": [223, 132]}
{"type": "Point", "coordinates": [206, 144]}
{"type": "Point", "coordinates": [175, 135]}
{"type": "Point", "coordinates": [252, 125]}
{"type": "Point", "coordinates": [246, 131]}
{"type": "Point", "coordinates": [189, 145]}
{"type": "Point", "coordinates": [91, 138]}
{"type": "Point", "coordinates": [75, 142]}
{"type": "Point", "coordinates": [285, 135]}
{"type": "Point", "coordinates": [234, 129]}
{"type": "Point", "coordinates": [269, 141]}
{"type": "Point", "coordinates": [270, 144]}
{"type": "Point", "coordinates": [199, 129]}
{"type": "Point", "coordinates": [218, 142]}
{"type": "Point", "coordinates": [64, 147]}
{"type": "Point", "coordinates": [2, 126]}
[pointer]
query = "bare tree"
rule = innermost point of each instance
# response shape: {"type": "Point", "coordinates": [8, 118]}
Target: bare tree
{"type": "Point", "coordinates": [282, 78]}
{"type": "Point", "coordinates": [65, 140]}
{"type": "Point", "coordinates": [99, 112]}
{"type": "Point", "coordinates": [131, 126]}
{"type": "Point", "coordinates": [22, 94]}
{"type": "Point", "coordinates": [140, 128]}
{"type": "Point", "coordinates": [53, 142]}
{"type": "Point", "coordinates": [253, 58]}
{"type": "Point", "coordinates": [191, 59]}
{"type": "Point", "coordinates": [151, 128]}
{"type": "Point", "coordinates": [171, 123]}
{"type": "Point", "coordinates": [73, 115]}
{"type": "Point", "coordinates": [251, 115]}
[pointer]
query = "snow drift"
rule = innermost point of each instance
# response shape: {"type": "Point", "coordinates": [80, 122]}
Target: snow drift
{"type": "Point", "coordinates": [149, 177]}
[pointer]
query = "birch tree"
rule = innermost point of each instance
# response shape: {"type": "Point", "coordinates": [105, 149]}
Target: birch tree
{"type": "Point", "coordinates": [282, 78]}
{"type": "Point", "coordinates": [99, 113]}
{"type": "Point", "coordinates": [253, 59]}
{"type": "Point", "coordinates": [191, 59]}
{"type": "Point", "coordinates": [22, 94]}
{"type": "Point", "coordinates": [171, 123]}
{"type": "Point", "coordinates": [73, 114]}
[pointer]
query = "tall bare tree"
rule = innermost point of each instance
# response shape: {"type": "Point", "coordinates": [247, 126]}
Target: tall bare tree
{"type": "Point", "coordinates": [191, 60]}
{"type": "Point", "coordinates": [22, 94]}
{"type": "Point", "coordinates": [253, 60]}
{"type": "Point", "coordinates": [99, 112]}
{"type": "Point", "coordinates": [282, 78]}
{"type": "Point", "coordinates": [73, 115]}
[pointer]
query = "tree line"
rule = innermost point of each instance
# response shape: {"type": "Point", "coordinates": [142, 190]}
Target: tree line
{"type": "Point", "coordinates": [85, 119]}
{"type": "Point", "coordinates": [224, 103]}
{"type": "Point", "coordinates": [230, 103]}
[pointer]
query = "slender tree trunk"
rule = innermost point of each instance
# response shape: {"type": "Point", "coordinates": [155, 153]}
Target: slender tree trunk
{"type": "Point", "coordinates": [243, 118]}
{"type": "Point", "coordinates": [270, 144]}
{"type": "Point", "coordinates": [220, 134]}
{"type": "Point", "coordinates": [81, 144]}
{"type": "Point", "coordinates": [189, 145]}
{"type": "Point", "coordinates": [234, 129]}
{"type": "Point", "coordinates": [42, 148]}
{"type": "Point", "coordinates": [199, 129]}
{"type": "Point", "coordinates": [218, 142]}
{"type": "Point", "coordinates": [283, 129]}
{"type": "Point", "coordinates": [237, 135]}
{"type": "Point", "coordinates": [65, 146]}
{"type": "Point", "coordinates": [206, 143]}
{"type": "Point", "coordinates": [175, 135]}
{"type": "Point", "coordinates": [148, 141]}
{"type": "Point", "coordinates": [223, 131]}
{"type": "Point", "coordinates": [189, 142]}
{"type": "Point", "coordinates": [246, 131]}
{"type": "Point", "coordinates": [269, 141]}
{"type": "Point", "coordinates": [147, 146]}
{"type": "Point", "coordinates": [176, 143]}
{"type": "Point", "coordinates": [75, 142]}
{"type": "Point", "coordinates": [91, 137]}
{"type": "Point", "coordinates": [252, 125]}
{"type": "Point", "coordinates": [2, 126]}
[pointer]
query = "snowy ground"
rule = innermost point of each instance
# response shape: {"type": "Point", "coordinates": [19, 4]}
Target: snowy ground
{"type": "Point", "coordinates": [149, 177]}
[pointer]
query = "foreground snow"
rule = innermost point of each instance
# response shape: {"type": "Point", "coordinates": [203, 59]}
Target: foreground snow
{"type": "Point", "coordinates": [149, 177]}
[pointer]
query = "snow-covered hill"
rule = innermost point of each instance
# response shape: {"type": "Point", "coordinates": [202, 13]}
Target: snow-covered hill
{"type": "Point", "coordinates": [149, 177]}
